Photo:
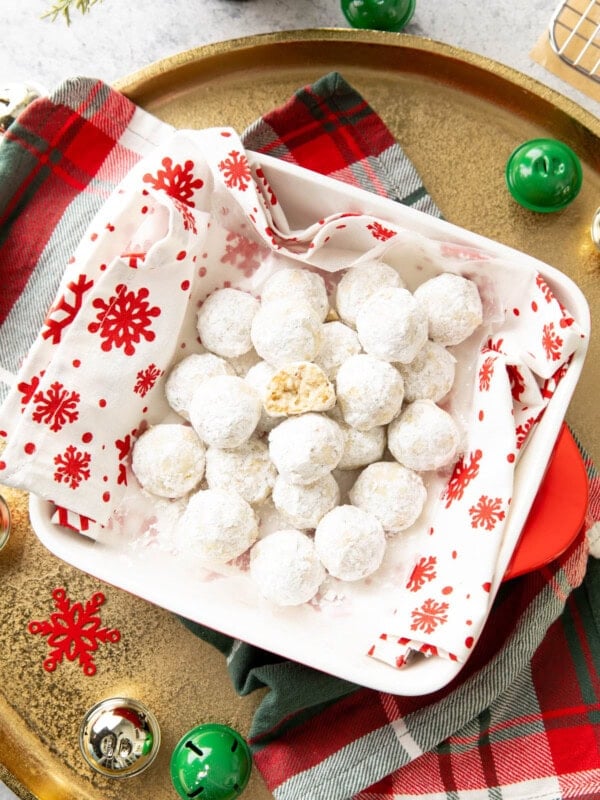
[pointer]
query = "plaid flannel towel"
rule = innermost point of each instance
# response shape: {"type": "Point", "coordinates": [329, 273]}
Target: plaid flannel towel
{"type": "Point", "coordinates": [521, 721]}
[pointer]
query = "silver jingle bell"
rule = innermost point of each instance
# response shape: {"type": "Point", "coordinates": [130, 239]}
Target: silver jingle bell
{"type": "Point", "coordinates": [119, 737]}
{"type": "Point", "coordinates": [14, 98]}
{"type": "Point", "coordinates": [595, 229]}
{"type": "Point", "coordinates": [4, 522]}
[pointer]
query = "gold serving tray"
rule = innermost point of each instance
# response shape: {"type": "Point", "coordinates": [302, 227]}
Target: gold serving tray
{"type": "Point", "coordinates": [458, 116]}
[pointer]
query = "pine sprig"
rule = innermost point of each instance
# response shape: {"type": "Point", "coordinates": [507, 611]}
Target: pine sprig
{"type": "Point", "coordinates": [64, 8]}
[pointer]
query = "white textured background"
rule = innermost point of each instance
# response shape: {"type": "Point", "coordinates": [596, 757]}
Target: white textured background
{"type": "Point", "coordinates": [121, 36]}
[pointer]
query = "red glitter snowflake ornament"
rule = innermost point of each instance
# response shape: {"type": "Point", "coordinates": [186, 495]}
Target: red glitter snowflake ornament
{"type": "Point", "coordinates": [74, 631]}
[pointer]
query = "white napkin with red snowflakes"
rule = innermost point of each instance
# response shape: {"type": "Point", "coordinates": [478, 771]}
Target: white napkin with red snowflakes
{"type": "Point", "coordinates": [200, 214]}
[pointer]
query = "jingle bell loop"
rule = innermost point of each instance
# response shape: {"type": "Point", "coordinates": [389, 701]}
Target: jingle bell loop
{"type": "Point", "coordinates": [4, 522]}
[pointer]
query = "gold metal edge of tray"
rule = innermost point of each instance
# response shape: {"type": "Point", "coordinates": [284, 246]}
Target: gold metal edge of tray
{"type": "Point", "coordinates": [38, 765]}
{"type": "Point", "coordinates": [141, 85]}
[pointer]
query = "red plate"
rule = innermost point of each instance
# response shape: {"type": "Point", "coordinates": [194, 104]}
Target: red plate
{"type": "Point", "coordinates": [558, 511]}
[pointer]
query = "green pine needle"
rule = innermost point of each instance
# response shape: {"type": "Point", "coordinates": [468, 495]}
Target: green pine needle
{"type": "Point", "coordinates": [65, 7]}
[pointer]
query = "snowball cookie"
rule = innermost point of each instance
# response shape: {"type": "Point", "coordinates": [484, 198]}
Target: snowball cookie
{"type": "Point", "coordinates": [298, 387]}
{"type": "Point", "coordinates": [350, 543]}
{"type": "Point", "coordinates": [224, 411]}
{"type": "Point", "coordinates": [369, 391]}
{"type": "Point", "coordinates": [185, 377]}
{"type": "Point", "coordinates": [359, 283]}
{"type": "Point", "coordinates": [452, 305]}
{"type": "Point", "coordinates": [303, 506]}
{"type": "Point", "coordinates": [240, 365]}
{"type": "Point", "coordinates": [259, 377]}
{"type": "Point", "coordinates": [391, 492]}
{"type": "Point", "coordinates": [247, 470]}
{"type": "Point", "coordinates": [306, 448]}
{"type": "Point", "coordinates": [217, 526]}
{"type": "Point", "coordinates": [392, 325]}
{"type": "Point", "coordinates": [423, 437]}
{"type": "Point", "coordinates": [224, 322]}
{"type": "Point", "coordinates": [285, 331]}
{"type": "Point", "coordinates": [430, 375]}
{"type": "Point", "coordinates": [361, 447]}
{"type": "Point", "coordinates": [168, 460]}
{"type": "Point", "coordinates": [338, 342]}
{"type": "Point", "coordinates": [297, 285]}
{"type": "Point", "coordinates": [285, 568]}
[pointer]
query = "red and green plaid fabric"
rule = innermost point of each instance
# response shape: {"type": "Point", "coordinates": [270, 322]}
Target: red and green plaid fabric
{"type": "Point", "coordinates": [522, 720]}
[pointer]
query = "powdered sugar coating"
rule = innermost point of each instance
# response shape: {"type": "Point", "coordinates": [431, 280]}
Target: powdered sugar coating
{"type": "Point", "coordinates": [224, 411]}
{"type": "Point", "coordinates": [284, 331]}
{"type": "Point", "coordinates": [369, 391]}
{"type": "Point", "coordinates": [240, 365]}
{"type": "Point", "coordinates": [392, 493]}
{"type": "Point", "coordinates": [392, 325]}
{"type": "Point", "coordinates": [359, 283]}
{"type": "Point", "coordinates": [217, 526]}
{"type": "Point", "coordinates": [247, 470]}
{"type": "Point", "coordinates": [259, 377]}
{"type": "Point", "coordinates": [424, 437]}
{"type": "Point", "coordinates": [338, 343]}
{"type": "Point", "coordinates": [350, 543]}
{"type": "Point", "coordinates": [285, 568]}
{"type": "Point", "coordinates": [452, 305]}
{"type": "Point", "coordinates": [168, 460]}
{"type": "Point", "coordinates": [361, 447]}
{"type": "Point", "coordinates": [297, 285]}
{"type": "Point", "coordinates": [430, 375]}
{"type": "Point", "coordinates": [185, 377]}
{"type": "Point", "coordinates": [306, 448]}
{"type": "Point", "coordinates": [224, 322]}
{"type": "Point", "coordinates": [304, 505]}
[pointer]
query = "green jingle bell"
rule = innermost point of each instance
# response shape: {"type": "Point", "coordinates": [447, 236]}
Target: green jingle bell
{"type": "Point", "coordinates": [211, 762]}
{"type": "Point", "coordinates": [380, 15]}
{"type": "Point", "coordinates": [544, 175]}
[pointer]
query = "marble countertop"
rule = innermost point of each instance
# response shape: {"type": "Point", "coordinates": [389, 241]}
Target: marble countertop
{"type": "Point", "coordinates": [118, 37]}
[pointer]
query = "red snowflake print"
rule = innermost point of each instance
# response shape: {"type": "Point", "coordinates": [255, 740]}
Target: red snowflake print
{"type": "Point", "coordinates": [551, 342]}
{"type": "Point", "coordinates": [28, 389]}
{"type": "Point", "coordinates": [236, 171]}
{"type": "Point", "coordinates": [56, 407]}
{"type": "Point", "coordinates": [524, 430]}
{"type": "Point", "coordinates": [517, 381]}
{"type": "Point", "coordinates": [423, 572]}
{"type": "Point", "coordinates": [64, 311]}
{"type": "Point", "coordinates": [494, 346]}
{"type": "Point", "coordinates": [189, 220]}
{"type": "Point", "coordinates": [463, 252]}
{"type": "Point", "coordinates": [486, 372]}
{"type": "Point", "coordinates": [74, 631]}
{"type": "Point", "coordinates": [550, 384]}
{"type": "Point", "coordinates": [545, 289]}
{"type": "Point", "coordinates": [379, 232]}
{"type": "Point", "coordinates": [145, 379]}
{"type": "Point", "coordinates": [461, 477]}
{"type": "Point", "coordinates": [124, 319]}
{"type": "Point", "coordinates": [486, 513]}
{"type": "Point", "coordinates": [262, 177]}
{"type": "Point", "coordinates": [176, 180]}
{"type": "Point", "coordinates": [429, 616]}
{"type": "Point", "coordinates": [73, 467]}
{"type": "Point", "coordinates": [241, 253]}
{"type": "Point", "coordinates": [134, 259]}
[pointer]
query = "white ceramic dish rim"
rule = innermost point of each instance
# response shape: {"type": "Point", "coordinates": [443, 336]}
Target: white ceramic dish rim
{"type": "Point", "coordinates": [285, 632]}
